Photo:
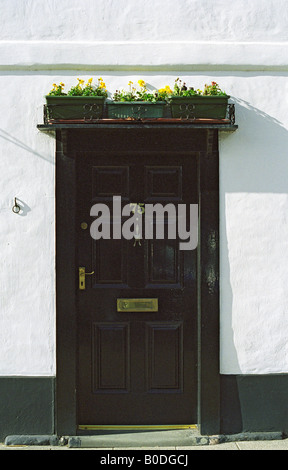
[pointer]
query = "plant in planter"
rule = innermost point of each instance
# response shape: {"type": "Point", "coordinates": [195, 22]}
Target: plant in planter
{"type": "Point", "coordinates": [188, 103]}
{"type": "Point", "coordinates": [82, 102]}
{"type": "Point", "coordinates": [138, 103]}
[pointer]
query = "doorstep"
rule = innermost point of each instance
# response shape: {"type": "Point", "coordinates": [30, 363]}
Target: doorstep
{"type": "Point", "coordinates": [150, 438]}
{"type": "Point", "coordinates": [139, 439]}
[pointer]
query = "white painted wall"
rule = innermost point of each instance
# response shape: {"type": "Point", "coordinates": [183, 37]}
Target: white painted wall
{"type": "Point", "coordinates": [243, 46]}
{"type": "Point", "coordinates": [161, 20]}
{"type": "Point", "coordinates": [254, 228]}
{"type": "Point", "coordinates": [27, 297]}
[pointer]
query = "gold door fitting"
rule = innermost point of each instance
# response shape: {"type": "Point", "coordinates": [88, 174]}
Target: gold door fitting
{"type": "Point", "coordinates": [137, 305]}
{"type": "Point", "coordinates": [82, 275]}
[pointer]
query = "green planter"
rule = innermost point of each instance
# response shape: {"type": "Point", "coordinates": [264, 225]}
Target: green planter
{"type": "Point", "coordinates": [194, 107]}
{"type": "Point", "coordinates": [87, 108]}
{"type": "Point", "coordinates": [137, 109]}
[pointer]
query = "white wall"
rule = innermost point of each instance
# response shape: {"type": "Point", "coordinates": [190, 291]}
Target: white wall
{"type": "Point", "coordinates": [160, 20]}
{"type": "Point", "coordinates": [254, 228]}
{"type": "Point", "coordinates": [243, 46]}
{"type": "Point", "coordinates": [27, 298]}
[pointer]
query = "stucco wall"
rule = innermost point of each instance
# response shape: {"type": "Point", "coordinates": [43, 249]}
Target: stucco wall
{"type": "Point", "coordinates": [27, 297]}
{"type": "Point", "coordinates": [254, 228]}
{"type": "Point", "coordinates": [243, 46]}
{"type": "Point", "coordinates": [122, 20]}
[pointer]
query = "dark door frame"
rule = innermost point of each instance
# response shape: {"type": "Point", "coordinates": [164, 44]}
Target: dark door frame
{"type": "Point", "coordinates": [208, 283]}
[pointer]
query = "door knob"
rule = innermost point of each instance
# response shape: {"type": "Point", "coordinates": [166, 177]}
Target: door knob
{"type": "Point", "coordinates": [82, 274]}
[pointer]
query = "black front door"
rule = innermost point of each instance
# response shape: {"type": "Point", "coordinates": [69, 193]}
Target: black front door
{"type": "Point", "coordinates": [137, 315]}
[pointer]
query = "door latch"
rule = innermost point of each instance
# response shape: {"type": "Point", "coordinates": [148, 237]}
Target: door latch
{"type": "Point", "coordinates": [82, 274]}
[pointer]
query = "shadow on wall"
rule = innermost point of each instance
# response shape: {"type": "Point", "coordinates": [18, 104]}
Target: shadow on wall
{"type": "Point", "coordinates": [253, 170]}
{"type": "Point", "coordinates": [19, 143]}
{"type": "Point", "coordinates": [257, 153]}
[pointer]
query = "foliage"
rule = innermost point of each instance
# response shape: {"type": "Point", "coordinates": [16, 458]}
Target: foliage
{"type": "Point", "coordinates": [165, 93]}
{"type": "Point", "coordinates": [180, 89]}
{"type": "Point", "coordinates": [57, 90]}
{"type": "Point", "coordinates": [80, 89]}
{"type": "Point", "coordinates": [213, 89]}
{"type": "Point", "coordinates": [140, 94]}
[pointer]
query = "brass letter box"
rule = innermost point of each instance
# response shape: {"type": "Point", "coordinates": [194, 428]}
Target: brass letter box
{"type": "Point", "coordinates": [137, 305]}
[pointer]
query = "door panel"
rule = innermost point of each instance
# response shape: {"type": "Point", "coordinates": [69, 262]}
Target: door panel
{"type": "Point", "coordinates": [136, 367]}
{"type": "Point", "coordinates": [164, 346]}
{"type": "Point", "coordinates": [163, 183]}
{"type": "Point", "coordinates": [110, 262]}
{"type": "Point", "coordinates": [163, 264]}
{"type": "Point", "coordinates": [110, 357]}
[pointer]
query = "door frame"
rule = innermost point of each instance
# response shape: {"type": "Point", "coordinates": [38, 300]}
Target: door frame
{"type": "Point", "coordinates": [208, 284]}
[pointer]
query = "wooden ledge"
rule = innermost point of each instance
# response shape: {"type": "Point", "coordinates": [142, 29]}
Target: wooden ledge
{"type": "Point", "coordinates": [162, 123]}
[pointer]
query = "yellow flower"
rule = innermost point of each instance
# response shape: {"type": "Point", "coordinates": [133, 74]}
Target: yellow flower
{"type": "Point", "coordinates": [80, 81]}
{"type": "Point", "coordinates": [141, 83]}
{"type": "Point", "coordinates": [102, 85]}
{"type": "Point", "coordinates": [90, 81]}
{"type": "Point", "coordinates": [166, 90]}
{"type": "Point", "coordinates": [62, 84]}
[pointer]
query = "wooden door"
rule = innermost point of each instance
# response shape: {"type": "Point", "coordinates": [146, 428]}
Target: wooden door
{"type": "Point", "coordinates": [135, 367]}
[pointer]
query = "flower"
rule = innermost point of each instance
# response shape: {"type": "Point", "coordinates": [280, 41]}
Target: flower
{"type": "Point", "coordinates": [165, 93]}
{"type": "Point", "coordinates": [57, 90]}
{"type": "Point", "coordinates": [213, 89]}
{"type": "Point", "coordinates": [142, 94]}
{"type": "Point", "coordinates": [180, 89]}
{"type": "Point", "coordinates": [167, 90]}
{"type": "Point", "coordinates": [80, 89]}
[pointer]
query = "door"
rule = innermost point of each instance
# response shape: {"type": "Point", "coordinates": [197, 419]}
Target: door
{"type": "Point", "coordinates": [137, 316]}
